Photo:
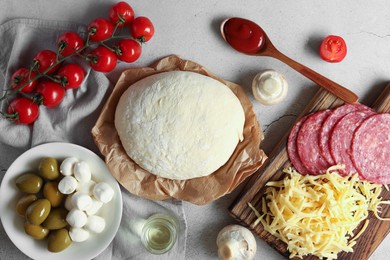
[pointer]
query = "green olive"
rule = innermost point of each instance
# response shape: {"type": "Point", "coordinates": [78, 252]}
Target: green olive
{"type": "Point", "coordinates": [56, 219]}
{"type": "Point", "coordinates": [38, 211]}
{"type": "Point", "coordinates": [48, 168]}
{"type": "Point", "coordinates": [51, 192]}
{"type": "Point", "coordinates": [36, 231]}
{"type": "Point", "coordinates": [24, 202]}
{"type": "Point", "coordinates": [29, 183]}
{"type": "Point", "coordinates": [58, 240]}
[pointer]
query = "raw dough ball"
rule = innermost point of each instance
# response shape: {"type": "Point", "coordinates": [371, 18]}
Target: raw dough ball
{"type": "Point", "coordinates": [179, 125]}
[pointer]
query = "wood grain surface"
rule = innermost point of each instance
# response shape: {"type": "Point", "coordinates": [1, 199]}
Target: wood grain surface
{"type": "Point", "coordinates": [278, 159]}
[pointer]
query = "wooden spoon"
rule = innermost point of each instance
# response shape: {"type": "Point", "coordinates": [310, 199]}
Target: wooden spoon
{"type": "Point", "coordinates": [250, 39]}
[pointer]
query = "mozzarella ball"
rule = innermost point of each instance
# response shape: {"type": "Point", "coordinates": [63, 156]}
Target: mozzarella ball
{"type": "Point", "coordinates": [82, 172]}
{"type": "Point", "coordinates": [78, 234]}
{"type": "Point", "coordinates": [67, 185]}
{"type": "Point", "coordinates": [103, 192]}
{"type": "Point", "coordinates": [66, 167]}
{"type": "Point", "coordinates": [76, 218]}
{"type": "Point", "coordinates": [95, 224]}
{"type": "Point", "coordinates": [94, 207]}
{"type": "Point", "coordinates": [86, 187]}
{"type": "Point", "coordinates": [81, 200]}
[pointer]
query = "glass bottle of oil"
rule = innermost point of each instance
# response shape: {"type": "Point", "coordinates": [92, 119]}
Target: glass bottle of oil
{"type": "Point", "coordinates": [159, 233]}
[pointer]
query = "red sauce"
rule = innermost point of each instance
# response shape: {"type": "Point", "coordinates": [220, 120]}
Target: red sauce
{"type": "Point", "coordinates": [244, 35]}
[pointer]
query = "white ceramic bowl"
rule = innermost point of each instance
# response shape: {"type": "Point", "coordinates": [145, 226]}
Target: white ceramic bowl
{"type": "Point", "coordinates": [13, 223]}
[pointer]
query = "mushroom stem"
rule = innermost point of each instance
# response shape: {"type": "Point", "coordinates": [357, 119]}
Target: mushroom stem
{"type": "Point", "coordinates": [236, 242]}
{"type": "Point", "coordinates": [228, 249]}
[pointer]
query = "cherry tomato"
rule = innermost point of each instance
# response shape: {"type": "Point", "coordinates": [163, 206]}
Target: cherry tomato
{"type": "Point", "coordinates": [333, 49]}
{"type": "Point", "coordinates": [100, 29]}
{"type": "Point", "coordinates": [142, 29]}
{"type": "Point", "coordinates": [121, 14]}
{"type": "Point", "coordinates": [45, 59]}
{"type": "Point", "coordinates": [244, 35]}
{"type": "Point", "coordinates": [23, 110]}
{"type": "Point", "coordinates": [128, 50]}
{"type": "Point", "coordinates": [69, 42]}
{"type": "Point", "coordinates": [102, 59]}
{"type": "Point", "coordinates": [71, 75]}
{"type": "Point", "coordinates": [51, 93]}
{"type": "Point", "coordinates": [21, 77]}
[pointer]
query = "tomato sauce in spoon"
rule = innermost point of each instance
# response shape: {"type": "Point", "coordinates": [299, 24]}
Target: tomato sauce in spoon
{"type": "Point", "coordinates": [243, 35]}
{"type": "Point", "coordinates": [247, 37]}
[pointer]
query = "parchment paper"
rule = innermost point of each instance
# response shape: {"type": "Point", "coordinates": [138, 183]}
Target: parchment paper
{"type": "Point", "coordinates": [245, 160]}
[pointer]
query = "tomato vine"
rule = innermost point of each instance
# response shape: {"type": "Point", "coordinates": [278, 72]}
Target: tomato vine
{"type": "Point", "coordinates": [47, 78]}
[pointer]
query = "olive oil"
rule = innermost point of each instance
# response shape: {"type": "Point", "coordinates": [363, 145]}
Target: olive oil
{"type": "Point", "coordinates": [159, 233]}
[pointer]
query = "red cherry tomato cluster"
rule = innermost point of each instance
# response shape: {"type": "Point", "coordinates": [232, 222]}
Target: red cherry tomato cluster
{"type": "Point", "coordinates": [121, 15]}
{"type": "Point", "coordinates": [44, 83]}
{"type": "Point", "coordinates": [49, 76]}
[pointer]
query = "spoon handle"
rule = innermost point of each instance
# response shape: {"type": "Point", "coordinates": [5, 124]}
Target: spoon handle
{"type": "Point", "coordinates": [334, 88]}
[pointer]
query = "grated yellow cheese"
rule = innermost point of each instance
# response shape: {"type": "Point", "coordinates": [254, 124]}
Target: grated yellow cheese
{"type": "Point", "coordinates": [318, 214]}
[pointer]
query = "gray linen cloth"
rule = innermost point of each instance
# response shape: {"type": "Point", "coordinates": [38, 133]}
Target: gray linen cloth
{"type": "Point", "coordinates": [71, 121]}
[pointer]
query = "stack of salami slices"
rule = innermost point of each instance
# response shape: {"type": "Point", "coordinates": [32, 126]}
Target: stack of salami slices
{"type": "Point", "coordinates": [352, 135]}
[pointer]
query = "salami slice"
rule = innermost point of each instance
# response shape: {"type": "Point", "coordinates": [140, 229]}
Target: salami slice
{"type": "Point", "coordinates": [341, 138]}
{"type": "Point", "coordinates": [371, 149]}
{"type": "Point", "coordinates": [292, 147]}
{"type": "Point", "coordinates": [308, 143]}
{"type": "Point", "coordinates": [330, 122]}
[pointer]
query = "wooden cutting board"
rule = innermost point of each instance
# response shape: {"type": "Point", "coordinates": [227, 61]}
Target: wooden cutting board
{"type": "Point", "coordinates": [278, 159]}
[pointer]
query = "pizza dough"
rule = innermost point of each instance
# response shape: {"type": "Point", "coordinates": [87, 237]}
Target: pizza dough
{"type": "Point", "coordinates": [179, 125]}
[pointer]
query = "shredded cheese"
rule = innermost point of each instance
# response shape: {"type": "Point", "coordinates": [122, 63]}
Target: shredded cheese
{"type": "Point", "coordinates": [318, 214]}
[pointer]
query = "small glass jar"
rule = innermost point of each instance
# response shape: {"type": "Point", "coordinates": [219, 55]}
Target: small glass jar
{"type": "Point", "coordinates": [159, 233]}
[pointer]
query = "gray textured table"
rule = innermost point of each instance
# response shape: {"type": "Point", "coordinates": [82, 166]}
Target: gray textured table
{"type": "Point", "coordinates": [190, 29]}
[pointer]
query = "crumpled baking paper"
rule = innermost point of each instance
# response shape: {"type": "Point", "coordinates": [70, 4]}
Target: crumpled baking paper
{"type": "Point", "coordinates": [246, 159]}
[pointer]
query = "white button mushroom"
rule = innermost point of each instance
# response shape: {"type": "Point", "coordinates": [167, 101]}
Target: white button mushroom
{"type": "Point", "coordinates": [67, 185]}
{"type": "Point", "coordinates": [82, 172]}
{"type": "Point", "coordinates": [103, 192]}
{"type": "Point", "coordinates": [95, 224]}
{"type": "Point", "coordinates": [269, 87]}
{"type": "Point", "coordinates": [236, 242]}
{"type": "Point", "coordinates": [81, 200]}
{"type": "Point", "coordinates": [66, 167]}
{"type": "Point", "coordinates": [78, 234]}
{"type": "Point", "coordinates": [76, 218]}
